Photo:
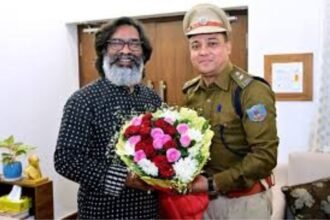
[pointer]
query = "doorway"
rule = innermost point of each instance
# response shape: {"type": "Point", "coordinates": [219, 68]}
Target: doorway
{"type": "Point", "coordinates": [169, 67]}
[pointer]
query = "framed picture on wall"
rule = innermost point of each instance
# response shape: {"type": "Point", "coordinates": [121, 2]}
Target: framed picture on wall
{"type": "Point", "coordinates": [290, 75]}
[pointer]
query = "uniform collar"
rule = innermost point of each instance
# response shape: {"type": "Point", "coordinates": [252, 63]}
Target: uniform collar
{"type": "Point", "coordinates": [222, 81]}
{"type": "Point", "coordinates": [223, 78]}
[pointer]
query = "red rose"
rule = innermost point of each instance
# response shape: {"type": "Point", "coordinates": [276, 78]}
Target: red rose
{"type": "Point", "coordinates": [161, 123]}
{"type": "Point", "coordinates": [146, 123]}
{"type": "Point", "coordinates": [167, 127]}
{"type": "Point", "coordinates": [166, 172]}
{"type": "Point", "coordinates": [146, 117]}
{"type": "Point", "coordinates": [140, 146]}
{"type": "Point", "coordinates": [170, 130]}
{"type": "Point", "coordinates": [144, 129]}
{"type": "Point", "coordinates": [131, 130]}
{"type": "Point", "coordinates": [147, 147]}
{"type": "Point", "coordinates": [170, 144]}
{"type": "Point", "coordinates": [164, 167]}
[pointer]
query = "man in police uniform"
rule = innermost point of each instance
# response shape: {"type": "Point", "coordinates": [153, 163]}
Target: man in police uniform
{"type": "Point", "coordinates": [241, 110]}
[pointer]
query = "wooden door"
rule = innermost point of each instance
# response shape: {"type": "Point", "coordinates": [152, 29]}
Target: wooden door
{"type": "Point", "coordinates": [169, 67]}
{"type": "Point", "coordinates": [170, 64]}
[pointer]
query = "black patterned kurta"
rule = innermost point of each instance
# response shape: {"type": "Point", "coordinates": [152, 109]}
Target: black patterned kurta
{"type": "Point", "coordinates": [91, 118]}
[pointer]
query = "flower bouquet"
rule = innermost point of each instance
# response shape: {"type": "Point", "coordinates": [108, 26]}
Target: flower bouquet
{"type": "Point", "coordinates": [167, 148]}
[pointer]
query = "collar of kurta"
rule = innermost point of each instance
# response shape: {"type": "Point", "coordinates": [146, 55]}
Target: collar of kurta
{"type": "Point", "coordinates": [126, 89]}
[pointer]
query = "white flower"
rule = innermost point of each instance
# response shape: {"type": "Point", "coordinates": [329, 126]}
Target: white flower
{"type": "Point", "coordinates": [148, 167]}
{"type": "Point", "coordinates": [188, 113]}
{"type": "Point", "coordinates": [194, 150]}
{"type": "Point", "coordinates": [185, 169]}
{"type": "Point", "coordinates": [195, 135]}
{"type": "Point", "coordinates": [129, 149]}
{"type": "Point", "coordinates": [170, 116]}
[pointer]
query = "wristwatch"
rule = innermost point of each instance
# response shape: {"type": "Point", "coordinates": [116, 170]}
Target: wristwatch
{"type": "Point", "coordinates": [211, 189]}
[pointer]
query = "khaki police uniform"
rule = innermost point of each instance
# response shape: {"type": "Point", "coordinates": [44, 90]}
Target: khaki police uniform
{"type": "Point", "coordinates": [251, 142]}
{"type": "Point", "coordinates": [244, 147]}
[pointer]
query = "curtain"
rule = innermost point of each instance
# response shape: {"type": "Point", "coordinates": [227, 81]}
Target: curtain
{"type": "Point", "coordinates": [320, 141]}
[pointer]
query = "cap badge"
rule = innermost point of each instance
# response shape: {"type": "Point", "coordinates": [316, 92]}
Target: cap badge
{"type": "Point", "coordinates": [203, 21]}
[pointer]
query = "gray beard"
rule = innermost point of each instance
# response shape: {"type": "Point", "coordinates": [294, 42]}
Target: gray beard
{"type": "Point", "coordinates": [122, 76]}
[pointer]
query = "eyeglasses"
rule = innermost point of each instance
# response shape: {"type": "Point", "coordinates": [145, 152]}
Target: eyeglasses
{"type": "Point", "coordinates": [119, 44]}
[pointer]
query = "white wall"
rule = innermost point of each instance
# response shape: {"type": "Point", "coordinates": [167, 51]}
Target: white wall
{"type": "Point", "coordinates": [38, 71]}
{"type": "Point", "coordinates": [39, 65]}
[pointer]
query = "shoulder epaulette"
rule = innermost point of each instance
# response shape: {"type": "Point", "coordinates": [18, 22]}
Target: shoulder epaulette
{"type": "Point", "coordinates": [190, 83]}
{"type": "Point", "coordinates": [241, 77]}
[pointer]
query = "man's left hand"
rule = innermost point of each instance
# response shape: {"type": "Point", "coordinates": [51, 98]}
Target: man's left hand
{"type": "Point", "coordinates": [199, 185]}
{"type": "Point", "coordinates": [133, 181]}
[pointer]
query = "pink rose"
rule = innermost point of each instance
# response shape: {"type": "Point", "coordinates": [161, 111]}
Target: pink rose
{"type": "Point", "coordinates": [136, 121]}
{"type": "Point", "coordinates": [185, 140]}
{"type": "Point", "coordinates": [166, 138]}
{"type": "Point", "coordinates": [133, 140]}
{"type": "Point", "coordinates": [172, 155]}
{"type": "Point", "coordinates": [156, 132]}
{"type": "Point", "coordinates": [169, 120]}
{"type": "Point", "coordinates": [139, 155]}
{"type": "Point", "coordinates": [158, 143]}
{"type": "Point", "coordinates": [182, 128]}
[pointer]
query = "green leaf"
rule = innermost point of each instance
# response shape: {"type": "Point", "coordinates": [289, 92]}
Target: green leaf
{"type": "Point", "coordinates": [10, 140]}
{"type": "Point", "coordinates": [6, 154]}
{"type": "Point", "coordinates": [20, 152]}
{"type": "Point", "coordinates": [7, 158]}
{"type": "Point", "coordinates": [14, 149]}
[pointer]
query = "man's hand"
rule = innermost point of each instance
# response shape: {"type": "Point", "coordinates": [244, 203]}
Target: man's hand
{"type": "Point", "coordinates": [134, 181]}
{"type": "Point", "coordinates": [199, 185]}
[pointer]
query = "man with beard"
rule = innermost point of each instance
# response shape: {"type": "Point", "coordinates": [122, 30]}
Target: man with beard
{"type": "Point", "coordinates": [94, 114]}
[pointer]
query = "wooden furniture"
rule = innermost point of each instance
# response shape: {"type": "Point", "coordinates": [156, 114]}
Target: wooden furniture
{"type": "Point", "coordinates": [70, 216]}
{"type": "Point", "coordinates": [41, 195]}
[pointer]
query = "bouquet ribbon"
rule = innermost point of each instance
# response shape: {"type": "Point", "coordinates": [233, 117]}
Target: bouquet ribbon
{"type": "Point", "coordinates": [191, 206]}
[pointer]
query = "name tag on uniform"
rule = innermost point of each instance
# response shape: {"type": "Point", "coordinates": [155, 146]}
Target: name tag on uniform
{"type": "Point", "coordinates": [219, 107]}
{"type": "Point", "coordinates": [257, 112]}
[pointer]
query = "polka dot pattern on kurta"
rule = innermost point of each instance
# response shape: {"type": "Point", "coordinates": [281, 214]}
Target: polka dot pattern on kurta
{"type": "Point", "coordinates": [85, 153]}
